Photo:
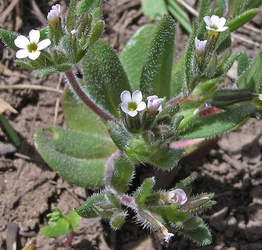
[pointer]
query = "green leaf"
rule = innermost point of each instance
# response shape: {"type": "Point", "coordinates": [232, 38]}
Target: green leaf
{"type": "Point", "coordinates": [54, 69]}
{"type": "Point", "coordinates": [119, 134]}
{"type": "Point", "coordinates": [144, 190]}
{"type": "Point", "coordinates": [252, 77]}
{"type": "Point", "coordinates": [134, 53]}
{"type": "Point", "coordinates": [77, 157]}
{"type": "Point", "coordinates": [8, 38]}
{"type": "Point", "coordinates": [201, 234]}
{"type": "Point", "coordinates": [212, 125]}
{"type": "Point", "coordinates": [80, 117]}
{"type": "Point", "coordinates": [118, 219]}
{"type": "Point", "coordinates": [61, 227]}
{"type": "Point", "coordinates": [192, 223]}
{"type": "Point", "coordinates": [243, 63]}
{"type": "Point", "coordinates": [88, 6]}
{"type": "Point", "coordinates": [154, 8]}
{"type": "Point", "coordinates": [240, 20]}
{"type": "Point", "coordinates": [166, 158]}
{"type": "Point", "coordinates": [70, 20]}
{"type": "Point", "coordinates": [74, 219]}
{"type": "Point", "coordinates": [190, 62]}
{"type": "Point", "coordinates": [178, 76]}
{"type": "Point", "coordinates": [104, 76]}
{"type": "Point", "coordinates": [122, 174]}
{"type": "Point", "coordinates": [89, 209]}
{"type": "Point", "coordinates": [156, 73]}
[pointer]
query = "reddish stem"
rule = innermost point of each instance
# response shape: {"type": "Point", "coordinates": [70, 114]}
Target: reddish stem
{"type": "Point", "coordinates": [82, 95]}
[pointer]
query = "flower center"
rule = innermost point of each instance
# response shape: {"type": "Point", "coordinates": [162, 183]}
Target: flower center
{"type": "Point", "coordinates": [32, 47]}
{"type": "Point", "coordinates": [132, 106]}
{"type": "Point", "coordinates": [214, 27]}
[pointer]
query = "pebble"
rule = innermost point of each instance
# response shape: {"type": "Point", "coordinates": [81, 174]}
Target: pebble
{"type": "Point", "coordinates": [218, 221]}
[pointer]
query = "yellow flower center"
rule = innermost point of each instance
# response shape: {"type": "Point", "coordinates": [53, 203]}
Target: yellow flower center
{"type": "Point", "coordinates": [32, 47]}
{"type": "Point", "coordinates": [132, 106]}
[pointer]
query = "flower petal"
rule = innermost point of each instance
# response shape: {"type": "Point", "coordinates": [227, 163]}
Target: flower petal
{"type": "Point", "coordinates": [137, 96]}
{"type": "Point", "coordinates": [43, 44]}
{"type": "Point", "coordinates": [222, 22]}
{"type": "Point", "coordinates": [124, 107]}
{"type": "Point", "coordinates": [34, 55]}
{"type": "Point", "coordinates": [22, 53]}
{"type": "Point", "coordinates": [125, 96]}
{"type": "Point", "coordinates": [215, 20]}
{"type": "Point", "coordinates": [141, 106]}
{"type": "Point", "coordinates": [207, 20]}
{"type": "Point", "coordinates": [34, 36]}
{"type": "Point", "coordinates": [132, 113]}
{"type": "Point", "coordinates": [21, 42]}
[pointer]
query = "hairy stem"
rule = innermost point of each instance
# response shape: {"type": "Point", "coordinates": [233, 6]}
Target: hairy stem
{"type": "Point", "coordinates": [79, 91]}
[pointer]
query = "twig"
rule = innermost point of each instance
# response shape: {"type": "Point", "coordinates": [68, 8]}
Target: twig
{"type": "Point", "coordinates": [188, 7]}
{"type": "Point", "coordinates": [8, 10]}
{"type": "Point", "coordinates": [37, 12]}
{"type": "Point", "coordinates": [245, 40]}
{"type": "Point", "coordinates": [34, 87]}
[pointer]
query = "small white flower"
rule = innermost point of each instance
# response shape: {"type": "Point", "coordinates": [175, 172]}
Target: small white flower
{"type": "Point", "coordinates": [53, 14]}
{"type": "Point", "coordinates": [215, 23]}
{"type": "Point", "coordinates": [132, 104]}
{"type": "Point", "coordinates": [30, 47]}
{"type": "Point", "coordinates": [200, 46]}
{"type": "Point", "coordinates": [154, 103]}
{"type": "Point", "coordinates": [177, 196]}
{"type": "Point", "coordinates": [260, 97]}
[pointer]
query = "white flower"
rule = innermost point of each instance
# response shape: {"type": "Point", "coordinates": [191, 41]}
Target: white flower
{"type": "Point", "coordinates": [30, 47]}
{"type": "Point", "coordinates": [53, 14]}
{"type": "Point", "coordinates": [177, 196]}
{"type": "Point", "coordinates": [215, 23]}
{"type": "Point", "coordinates": [200, 46]}
{"type": "Point", "coordinates": [154, 103]}
{"type": "Point", "coordinates": [132, 104]}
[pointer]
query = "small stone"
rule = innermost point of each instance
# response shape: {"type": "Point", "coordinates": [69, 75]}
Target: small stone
{"type": "Point", "coordinates": [252, 230]}
{"type": "Point", "coordinates": [218, 221]}
{"type": "Point", "coordinates": [231, 227]}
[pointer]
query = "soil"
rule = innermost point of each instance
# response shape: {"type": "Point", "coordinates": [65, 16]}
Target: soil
{"type": "Point", "coordinates": [29, 189]}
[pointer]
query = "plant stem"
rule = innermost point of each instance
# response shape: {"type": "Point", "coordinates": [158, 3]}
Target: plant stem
{"type": "Point", "coordinates": [82, 95]}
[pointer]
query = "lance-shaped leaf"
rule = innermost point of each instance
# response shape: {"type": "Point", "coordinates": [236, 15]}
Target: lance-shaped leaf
{"type": "Point", "coordinates": [8, 38]}
{"type": "Point", "coordinates": [156, 73]}
{"type": "Point", "coordinates": [80, 117]}
{"type": "Point", "coordinates": [201, 234]}
{"type": "Point", "coordinates": [77, 157]}
{"type": "Point", "coordinates": [212, 125]}
{"type": "Point", "coordinates": [241, 19]}
{"type": "Point", "coordinates": [134, 54]}
{"type": "Point", "coordinates": [104, 76]}
{"type": "Point", "coordinates": [122, 174]}
{"type": "Point", "coordinates": [88, 6]}
{"type": "Point", "coordinates": [252, 77]}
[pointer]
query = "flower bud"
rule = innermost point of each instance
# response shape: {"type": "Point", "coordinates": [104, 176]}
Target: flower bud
{"type": "Point", "coordinates": [53, 15]}
{"type": "Point", "coordinates": [154, 103]}
{"type": "Point", "coordinates": [200, 46]}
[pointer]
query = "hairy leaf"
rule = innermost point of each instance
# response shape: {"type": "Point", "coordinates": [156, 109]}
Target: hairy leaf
{"type": "Point", "coordinates": [77, 157]}
{"type": "Point", "coordinates": [156, 73]}
{"type": "Point", "coordinates": [104, 76]}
